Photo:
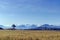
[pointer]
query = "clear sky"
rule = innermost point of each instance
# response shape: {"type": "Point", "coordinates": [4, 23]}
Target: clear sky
{"type": "Point", "coordinates": [29, 12]}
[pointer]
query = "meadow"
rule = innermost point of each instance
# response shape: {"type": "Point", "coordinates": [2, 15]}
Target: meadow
{"type": "Point", "coordinates": [29, 35]}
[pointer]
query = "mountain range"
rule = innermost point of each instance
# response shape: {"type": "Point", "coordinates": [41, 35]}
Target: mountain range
{"type": "Point", "coordinates": [35, 27]}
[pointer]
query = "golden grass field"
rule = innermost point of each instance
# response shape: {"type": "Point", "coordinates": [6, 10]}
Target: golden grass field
{"type": "Point", "coordinates": [29, 35]}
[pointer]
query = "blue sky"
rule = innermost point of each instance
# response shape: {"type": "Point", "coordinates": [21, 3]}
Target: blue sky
{"type": "Point", "coordinates": [29, 12]}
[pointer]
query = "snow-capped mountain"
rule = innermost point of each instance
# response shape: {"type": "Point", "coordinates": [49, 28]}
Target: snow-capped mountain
{"type": "Point", "coordinates": [47, 27]}
{"type": "Point", "coordinates": [26, 26]}
{"type": "Point", "coordinates": [34, 27]}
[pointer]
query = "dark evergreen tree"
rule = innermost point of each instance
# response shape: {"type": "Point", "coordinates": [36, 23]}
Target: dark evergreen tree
{"type": "Point", "coordinates": [13, 26]}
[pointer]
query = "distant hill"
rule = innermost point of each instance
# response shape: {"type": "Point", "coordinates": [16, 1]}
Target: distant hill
{"type": "Point", "coordinates": [46, 27]}
{"type": "Point", "coordinates": [26, 26]}
{"type": "Point", "coordinates": [34, 27]}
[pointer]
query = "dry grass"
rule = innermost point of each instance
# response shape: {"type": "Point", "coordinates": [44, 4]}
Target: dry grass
{"type": "Point", "coordinates": [29, 35]}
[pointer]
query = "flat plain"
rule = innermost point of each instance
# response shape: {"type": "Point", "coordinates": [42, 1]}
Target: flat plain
{"type": "Point", "coordinates": [29, 35]}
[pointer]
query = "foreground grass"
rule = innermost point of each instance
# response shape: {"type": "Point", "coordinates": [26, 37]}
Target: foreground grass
{"type": "Point", "coordinates": [29, 35]}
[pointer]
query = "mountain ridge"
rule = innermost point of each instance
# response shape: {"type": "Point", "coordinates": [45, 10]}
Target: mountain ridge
{"type": "Point", "coordinates": [34, 27]}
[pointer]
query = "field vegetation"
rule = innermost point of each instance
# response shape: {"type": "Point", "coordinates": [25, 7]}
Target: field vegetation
{"type": "Point", "coordinates": [29, 35]}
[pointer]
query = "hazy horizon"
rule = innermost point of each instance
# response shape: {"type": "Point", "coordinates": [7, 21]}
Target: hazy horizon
{"type": "Point", "coordinates": [29, 12]}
